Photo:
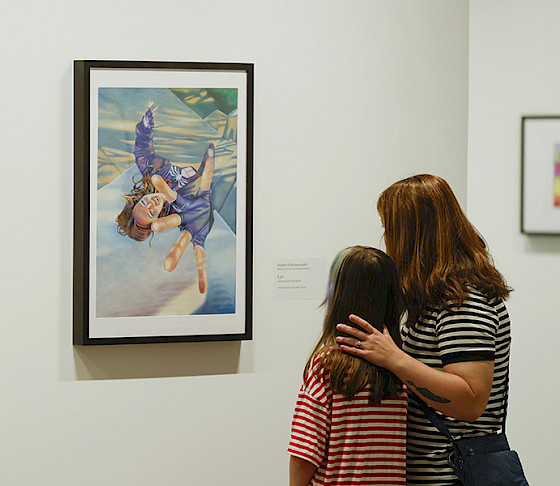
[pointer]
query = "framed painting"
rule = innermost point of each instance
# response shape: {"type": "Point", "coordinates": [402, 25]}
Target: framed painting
{"type": "Point", "coordinates": [540, 175]}
{"type": "Point", "coordinates": [163, 164]}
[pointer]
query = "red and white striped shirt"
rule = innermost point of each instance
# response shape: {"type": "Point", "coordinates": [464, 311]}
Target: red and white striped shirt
{"type": "Point", "coordinates": [352, 442]}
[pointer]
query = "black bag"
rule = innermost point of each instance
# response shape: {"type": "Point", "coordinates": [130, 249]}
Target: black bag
{"type": "Point", "coordinates": [482, 461]}
{"type": "Point", "coordinates": [486, 461]}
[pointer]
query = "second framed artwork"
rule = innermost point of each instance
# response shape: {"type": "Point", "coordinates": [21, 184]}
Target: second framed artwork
{"type": "Point", "coordinates": [540, 169]}
{"type": "Point", "coordinates": [163, 201]}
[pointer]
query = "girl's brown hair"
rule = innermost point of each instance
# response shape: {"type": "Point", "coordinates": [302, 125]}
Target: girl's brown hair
{"type": "Point", "coordinates": [438, 252]}
{"type": "Point", "coordinates": [362, 281]}
{"type": "Point", "coordinates": [127, 225]}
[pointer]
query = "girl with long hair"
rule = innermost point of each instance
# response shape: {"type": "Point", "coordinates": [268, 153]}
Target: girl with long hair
{"type": "Point", "coordinates": [350, 417]}
{"type": "Point", "coordinates": [456, 335]}
{"type": "Point", "coordinates": [167, 197]}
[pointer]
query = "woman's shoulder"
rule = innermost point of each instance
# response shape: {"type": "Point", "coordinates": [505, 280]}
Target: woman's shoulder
{"type": "Point", "coordinates": [476, 297]}
{"type": "Point", "coordinates": [473, 297]}
{"type": "Point", "coordinates": [477, 306]}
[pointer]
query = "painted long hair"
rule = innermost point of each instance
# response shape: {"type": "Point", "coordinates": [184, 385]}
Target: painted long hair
{"type": "Point", "coordinates": [438, 252]}
{"type": "Point", "coordinates": [127, 225]}
{"type": "Point", "coordinates": [362, 281]}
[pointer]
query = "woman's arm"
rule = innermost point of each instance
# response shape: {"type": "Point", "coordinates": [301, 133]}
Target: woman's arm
{"type": "Point", "coordinates": [301, 471]}
{"type": "Point", "coordinates": [460, 391]}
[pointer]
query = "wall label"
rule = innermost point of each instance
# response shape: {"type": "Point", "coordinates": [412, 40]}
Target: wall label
{"type": "Point", "coordinates": [299, 279]}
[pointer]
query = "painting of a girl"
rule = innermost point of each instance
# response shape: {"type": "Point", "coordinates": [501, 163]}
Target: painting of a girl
{"type": "Point", "coordinates": [161, 201]}
{"type": "Point", "coordinates": [173, 168]}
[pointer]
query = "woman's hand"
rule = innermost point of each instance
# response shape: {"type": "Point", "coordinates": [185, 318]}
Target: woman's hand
{"type": "Point", "coordinates": [460, 391]}
{"type": "Point", "coordinates": [368, 343]}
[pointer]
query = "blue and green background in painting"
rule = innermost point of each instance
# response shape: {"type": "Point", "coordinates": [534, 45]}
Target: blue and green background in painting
{"type": "Point", "coordinates": [130, 279]}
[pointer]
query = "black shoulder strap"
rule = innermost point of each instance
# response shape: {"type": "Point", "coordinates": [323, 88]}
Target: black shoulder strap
{"type": "Point", "coordinates": [432, 417]}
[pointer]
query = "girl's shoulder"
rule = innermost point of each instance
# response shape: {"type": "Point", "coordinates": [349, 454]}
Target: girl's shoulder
{"type": "Point", "coordinates": [316, 366]}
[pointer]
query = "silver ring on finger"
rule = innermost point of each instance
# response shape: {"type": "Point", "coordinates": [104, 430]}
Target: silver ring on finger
{"type": "Point", "coordinates": [359, 345]}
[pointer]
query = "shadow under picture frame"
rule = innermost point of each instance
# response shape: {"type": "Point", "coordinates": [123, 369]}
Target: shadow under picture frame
{"type": "Point", "coordinates": [540, 175]}
{"type": "Point", "coordinates": [163, 174]}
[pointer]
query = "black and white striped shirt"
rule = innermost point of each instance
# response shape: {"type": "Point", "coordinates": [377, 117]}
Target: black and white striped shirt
{"type": "Point", "coordinates": [479, 330]}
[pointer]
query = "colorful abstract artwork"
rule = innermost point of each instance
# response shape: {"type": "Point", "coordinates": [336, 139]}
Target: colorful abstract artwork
{"type": "Point", "coordinates": [556, 184]}
{"type": "Point", "coordinates": [540, 209]}
{"type": "Point", "coordinates": [169, 191]}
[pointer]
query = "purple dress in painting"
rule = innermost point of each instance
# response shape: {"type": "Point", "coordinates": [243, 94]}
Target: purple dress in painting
{"type": "Point", "coordinates": [195, 210]}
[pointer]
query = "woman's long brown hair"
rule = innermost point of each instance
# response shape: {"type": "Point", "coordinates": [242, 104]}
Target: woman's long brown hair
{"type": "Point", "coordinates": [438, 252]}
{"type": "Point", "coordinates": [362, 281]}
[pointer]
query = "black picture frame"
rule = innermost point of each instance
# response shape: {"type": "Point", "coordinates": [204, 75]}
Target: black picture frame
{"type": "Point", "coordinates": [114, 280]}
{"type": "Point", "coordinates": [540, 175]}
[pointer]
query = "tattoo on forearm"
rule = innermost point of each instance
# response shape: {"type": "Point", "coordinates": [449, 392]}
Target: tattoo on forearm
{"type": "Point", "coordinates": [428, 394]}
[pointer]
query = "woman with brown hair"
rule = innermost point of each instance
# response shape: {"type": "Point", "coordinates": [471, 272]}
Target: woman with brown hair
{"type": "Point", "coordinates": [349, 424]}
{"type": "Point", "coordinates": [456, 335]}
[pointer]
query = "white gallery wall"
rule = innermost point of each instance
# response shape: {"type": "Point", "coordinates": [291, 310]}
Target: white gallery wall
{"type": "Point", "coordinates": [349, 97]}
{"type": "Point", "coordinates": [514, 71]}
